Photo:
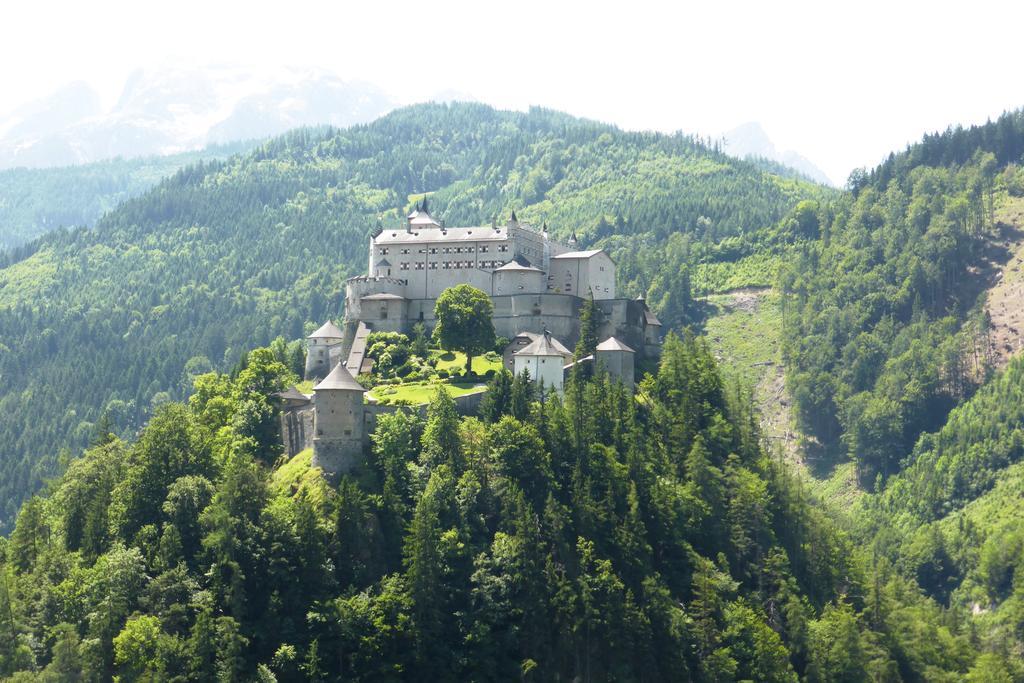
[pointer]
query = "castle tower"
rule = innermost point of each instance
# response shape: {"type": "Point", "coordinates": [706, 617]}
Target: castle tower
{"type": "Point", "coordinates": [338, 422]}
{"type": "Point", "coordinates": [617, 359]}
{"type": "Point", "coordinates": [318, 350]}
{"type": "Point", "coordinates": [544, 359]}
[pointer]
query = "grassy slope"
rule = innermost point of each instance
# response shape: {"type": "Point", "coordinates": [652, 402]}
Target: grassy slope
{"type": "Point", "coordinates": [744, 329]}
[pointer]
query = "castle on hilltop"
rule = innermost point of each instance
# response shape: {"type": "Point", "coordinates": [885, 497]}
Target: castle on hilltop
{"type": "Point", "coordinates": [535, 283]}
{"type": "Point", "coordinates": [538, 287]}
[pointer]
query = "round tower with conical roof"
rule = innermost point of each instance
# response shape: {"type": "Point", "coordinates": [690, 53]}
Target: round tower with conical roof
{"type": "Point", "coordinates": [338, 415]}
{"type": "Point", "coordinates": [318, 350]}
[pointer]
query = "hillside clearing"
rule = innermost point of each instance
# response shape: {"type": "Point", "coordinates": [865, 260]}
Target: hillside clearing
{"type": "Point", "coordinates": [1006, 298]}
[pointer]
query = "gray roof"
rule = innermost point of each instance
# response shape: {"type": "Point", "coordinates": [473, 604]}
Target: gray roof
{"type": "Point", "coordinates": [327, 331]}
{"type": "Point", "coordinates": [544, 345]}
{"type": "Point", "coordinates": [515, 265]}
{"type": "Point", "coordinates": [422, 218]}
{"type": "Point", "coordinates": [384, 262]}
{"type": "Point", "coordinates": [650, 318]}
{"type": "Point", "coordinates": [436, 234]}
{"type": "Point", "coordinates": [292, 394]}
{"type": "Point", "coordinates": [580, 254]}
{"type": "Point", "coordinates": [382, 297]}
{"type": "Point", "coordinates": [339, 379]}
{"type": "Point", "coordinates": [613, 344]}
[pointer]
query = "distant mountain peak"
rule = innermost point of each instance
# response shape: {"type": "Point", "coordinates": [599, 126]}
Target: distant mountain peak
{"type": "Point", "coordinates": [173, 108]}
{"type": "Point", "coordinates": [750, 140]}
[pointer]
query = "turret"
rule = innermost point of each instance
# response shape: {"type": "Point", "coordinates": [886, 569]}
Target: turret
{"type": "Point", "coordinates": [420, 218]}
{"type": "Point", "coordinates": [338, 422]}
{"type": "Point", "coordinates": [617, 359]}
{"type": "Point", "coordinates": [318, 350]}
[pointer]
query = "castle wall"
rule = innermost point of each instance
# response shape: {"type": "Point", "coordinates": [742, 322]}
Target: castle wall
{"type": "Point", "coordinates": [558, 313]}
{"type": "Point", "coordinates": [319, 354]}
{"type": "Point", "coordinates": [339, 414]}
{"type": "Point", "coordinates": [583, 276]}
{"type": "Point", "coordinates": [358, 287]}
{"type": "Point", "coordinates": [518, 282]}
{"type": "Point", "coordinates": [618, 364]}
{"type": "Point", "coordinates": [433, 259]}
{"type": "Point", "coordinates": [386, 315]}
{"type": "Point", "coordinates": [337, 456]}
{"type": "Point", "coordinates": [297, 429]}
{"type": "Point", "coordinates": [624, 319]}
{"type": "Point", "coordinates": [546, 369]}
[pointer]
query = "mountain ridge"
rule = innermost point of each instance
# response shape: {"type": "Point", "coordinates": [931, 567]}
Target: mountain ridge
{"type": "Point", "coordinates": [172, 109]}
{"type": "Point", "coordinates": [217, 256]}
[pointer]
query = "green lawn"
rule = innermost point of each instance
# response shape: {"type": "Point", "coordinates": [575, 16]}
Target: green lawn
{"type": "Point", "coordinates": [418, 393]}
{"type": "Point", "coordinates": [456, 360]}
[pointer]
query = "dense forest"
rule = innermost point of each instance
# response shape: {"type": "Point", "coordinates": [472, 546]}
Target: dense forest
{"type": "Point", "coordinates": [951, 520]}
{"type": "Point", "coordinates": [890, 364]}
{"type": "Point", "coordinates": [884, 325]}
{"type": "Point", "coordinates": [36, 201]}
{"type": "Point", "coordinates": [226, 255]}
{"type": "Point", "coordinates": [597, 538]}
{"type": "Point", "coordinates": [600, 536]}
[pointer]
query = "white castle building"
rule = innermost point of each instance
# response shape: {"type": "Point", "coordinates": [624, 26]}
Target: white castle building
{"type": "Point", "coordinates": [537, 285]}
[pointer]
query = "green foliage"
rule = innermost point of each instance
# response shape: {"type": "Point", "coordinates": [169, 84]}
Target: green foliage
{"type": "Point", "coordinates": [36, 201]}
{"type": "Point", "coordinates": [603, 536]}
{"type": "Point", "coordinates": [883, 336]}
{"type": "Point", "coordinates": [463, 315]}
{"type": "Point", "coordinates": [221, 255]}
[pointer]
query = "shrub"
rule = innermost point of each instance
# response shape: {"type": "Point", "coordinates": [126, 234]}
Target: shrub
{"type": "Point", "coordinates": [443, 374]}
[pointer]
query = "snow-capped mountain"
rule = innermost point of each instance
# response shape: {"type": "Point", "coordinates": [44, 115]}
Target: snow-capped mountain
{"type": "Point", "coordinates": [174, 109]}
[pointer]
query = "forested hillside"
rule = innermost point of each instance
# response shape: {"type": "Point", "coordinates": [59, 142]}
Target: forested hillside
{"type": "Point", "coordinates": [600, 538]}
{"type": "Point", "coordinates": [227, 255]}
{"type": "Point", "coordinates": [889, 346]}
{"type": "Point", "coordinates": [885, 331]}
{"type": "Point", "coordinates": [36, 201]}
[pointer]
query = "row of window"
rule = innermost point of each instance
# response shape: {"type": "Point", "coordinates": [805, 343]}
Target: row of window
{"type": "Point", "coordinates": [384, 251]}
{"type": "Point", "coordinates": [446, 265]}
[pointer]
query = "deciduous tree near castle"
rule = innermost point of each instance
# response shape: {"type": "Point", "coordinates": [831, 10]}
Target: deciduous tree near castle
{"type": "Point", "coordinates": [464, 323]}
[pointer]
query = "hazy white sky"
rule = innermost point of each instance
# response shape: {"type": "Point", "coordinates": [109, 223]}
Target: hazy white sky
{"type": "Point", "coordinates": [841, 82]}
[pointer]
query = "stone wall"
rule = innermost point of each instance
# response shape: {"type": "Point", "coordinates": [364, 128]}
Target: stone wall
{"type": "Point", "coordinates": [335, 455]}
{"type": "Point", "coordinates": [297, 429]}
